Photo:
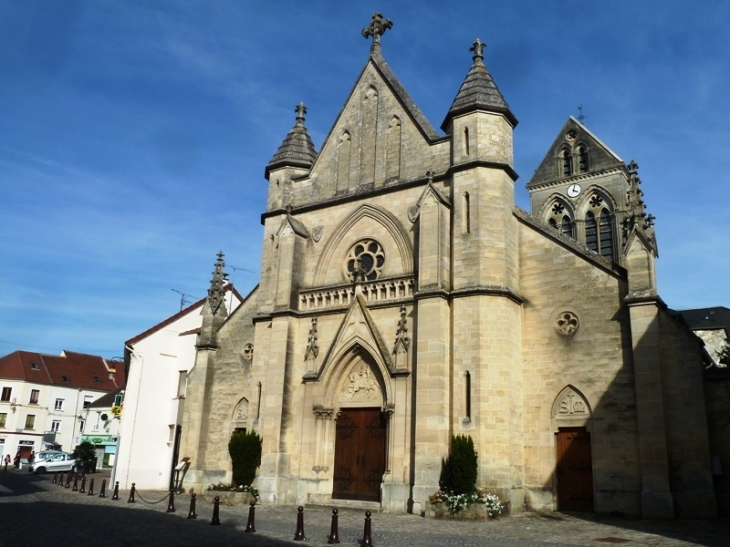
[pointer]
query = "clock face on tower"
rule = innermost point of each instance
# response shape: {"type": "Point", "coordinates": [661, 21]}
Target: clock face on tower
{"type": "Point", "coordinates": [573, 190]}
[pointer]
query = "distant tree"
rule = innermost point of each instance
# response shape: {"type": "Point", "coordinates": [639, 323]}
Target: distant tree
{"type": "Point", "coordinates": [723, 356]}
{"type": "Point", "coordinates": [245, 451]}
{"type": "Point", "coordinates": [84, 455]}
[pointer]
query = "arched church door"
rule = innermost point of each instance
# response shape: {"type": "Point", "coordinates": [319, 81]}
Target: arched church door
{"type": "Point", "coordinates": [360, 436]}
{"type": "Point", "coordinates": [574, 469]}
{"type": "Point", "coordinates": [359, 454]}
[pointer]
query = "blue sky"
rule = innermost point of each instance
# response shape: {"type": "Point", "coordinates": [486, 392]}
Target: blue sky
{"type": "Point", "coordinates": [135, 134]}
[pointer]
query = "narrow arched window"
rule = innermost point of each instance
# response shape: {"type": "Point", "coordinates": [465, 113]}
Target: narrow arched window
{"type": "Point", "coordinates": [591, 232]}
{"type": "Point", "coordinates": [606, 232]}
{"type": "Point", "coordinates": [468, 394]}
{"type": "Point", "coordinates": [553, 223]}
{"type": "Point", "coordinates": [567, 163]}
{"type": "Point", "coordinates": [467, 213]}
{"type": "Point", "coordinates": [582, 158]}
{"type": "Point", "coordinates": [466, 141]}
{"type": "Point", "coordinates": [566, 226]}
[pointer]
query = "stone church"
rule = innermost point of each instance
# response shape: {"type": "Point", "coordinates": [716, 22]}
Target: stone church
{"type": "Point", "coordinates": [404, 299]}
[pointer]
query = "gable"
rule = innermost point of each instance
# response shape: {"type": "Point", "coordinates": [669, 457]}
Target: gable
{"type": "Point", "coordinates": [573, 135]}
{"type": "Point", "coordinates": [375, 139]}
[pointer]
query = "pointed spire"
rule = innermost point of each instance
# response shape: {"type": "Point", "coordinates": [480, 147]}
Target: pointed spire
{"type": "Point", "coordinates": [215, 303]}
{"type": "Point", "coordinates": [478, 92]}
{"type": "Point", "coordinates": [636, 209]}
{"type": "Point", "coordinates": [297, 150]}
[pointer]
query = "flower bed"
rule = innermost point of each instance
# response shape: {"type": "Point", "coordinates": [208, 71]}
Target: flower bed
{"type": "Point", "coordinates": [475, 506]}
{"type": "Point", "coordinates": [229, 494]}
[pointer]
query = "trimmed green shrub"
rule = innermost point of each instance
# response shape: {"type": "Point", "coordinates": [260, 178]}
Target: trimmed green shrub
{"type": "Point", "coordinates": [460, 469]}
{"type": "Point", "coordinates": [245, 451]}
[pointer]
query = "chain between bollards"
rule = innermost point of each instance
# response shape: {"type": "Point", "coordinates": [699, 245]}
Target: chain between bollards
{"type": "Point", "coordinates": [250, 526]}
{"type": "Point", "coordinates": [191, 513]}
{"type": "Point", "coordinates": [216, 518]}
{"type": "Point", "coordinates": [91, 487]}
{"type": "Point", "coordinates": [171, 503]}
{"type": "Point", "coordinates": [334, 536]}
{"type": "Point", "coordinates": [115, 495]}
{"type": "Point", "coordinates": [82, 490]}
{"type": "Point", "coordinates": [367, 540]}
{"type": "Point", "coordinates": [131, 495]}
{"type": "Point", "coordinates": [299, 534]}
{"type": "Point", "coordinates": [102, 492]}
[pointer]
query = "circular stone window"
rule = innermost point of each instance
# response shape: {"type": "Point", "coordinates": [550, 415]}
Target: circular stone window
{"type": "Point", "coordinates": [566, 324]}
{"type": "Point", "coordinates": [365, 257]}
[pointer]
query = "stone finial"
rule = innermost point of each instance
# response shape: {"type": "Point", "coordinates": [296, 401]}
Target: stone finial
{"type": "Point", "coordinates": [312, 350]}
{"type": "Point", "coordinates": [217, 284]}
{"type": "Point", "coordinates": [636, 216]}
{"type": "Point", "coordinates": [376, 29]}
{"type": "Point", "coordinates": [301, 111]}
{"type": "Point", "coordinates": [478, 49]}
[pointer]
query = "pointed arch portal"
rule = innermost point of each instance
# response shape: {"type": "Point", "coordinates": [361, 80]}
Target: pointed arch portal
{"type": "Point", "coordinates": [360, 434]}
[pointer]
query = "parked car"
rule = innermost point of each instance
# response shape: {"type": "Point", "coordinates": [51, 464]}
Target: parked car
{"type": "Point", "coordinates": [46, 454]}
{"type": "Point", "coordinates": [54, 463]}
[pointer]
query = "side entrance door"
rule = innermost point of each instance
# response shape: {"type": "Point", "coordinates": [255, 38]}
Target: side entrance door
{"type": "Point", "coordinates": [574, 469]}
{"type": "Point", "coordinates": [359, 454]}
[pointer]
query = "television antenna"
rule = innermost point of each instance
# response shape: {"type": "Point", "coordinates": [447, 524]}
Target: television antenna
{"type": "Point", "coordinates": [184, 298]}
{"type": "Point", "coordinates": [581, 116]}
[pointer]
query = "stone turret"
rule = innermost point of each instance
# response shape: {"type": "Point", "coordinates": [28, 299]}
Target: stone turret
{"type": "Point", "coordinates": [293, 159]}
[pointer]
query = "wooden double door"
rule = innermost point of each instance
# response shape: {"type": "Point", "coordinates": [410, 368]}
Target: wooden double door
{"type": "Point", "coordinates": [359, 454]}
{"type": "Point", "coordinates": [574, 469]}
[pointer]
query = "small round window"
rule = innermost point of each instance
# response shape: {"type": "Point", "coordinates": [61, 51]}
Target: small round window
{"type": "Point", "coordinates": [365, 258]}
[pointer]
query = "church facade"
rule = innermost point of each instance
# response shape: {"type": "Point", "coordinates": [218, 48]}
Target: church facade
{"type": "Point", "coordinates": [404, 299]}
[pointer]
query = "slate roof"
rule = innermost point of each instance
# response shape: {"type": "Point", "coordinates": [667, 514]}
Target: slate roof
{"type": "Point", "coordinates": [297, 150]}
{"type": "Point", "coordinates": [70, 369]}
{"type": "Point", "coordinates": [717, 317]}
{"type": "Point", "coordinates": [478, 92]}
{"type": "Point", "coordinates": [106, 400]}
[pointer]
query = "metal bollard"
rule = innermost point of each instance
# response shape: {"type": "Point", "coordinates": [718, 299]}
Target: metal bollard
{"type": "Point", "coordinates": [171, 504]}
{"type": "Point", "coordinates": [55, 477]}
{"type": "Point", "coordinates": [367, 540]}
{"type": "Point", "coordinates": [191, 513]}
{"type": "Point", "coordinates": [115, 495]}
{"type": "Point", "coordinates": [82, 490]}
{"type": "Point", "coordinates": [76, 484]}
{"type": "Point", "coordinates": [131, 495]}
{"type": "Point", "coordinates": [216, 519]}
{"type": "Point", "coordinates": [91, 488]}
{"type": "Point", "coordinates": [250, 527]}
{"type": "Point", "coordinates": [68, 480]}
{"type": "Point", "coordinates": [299, 535]}
{"type": "Point", "coordinates": [334, 536]}
{"type": "Point", "coordinates": [102, 492]}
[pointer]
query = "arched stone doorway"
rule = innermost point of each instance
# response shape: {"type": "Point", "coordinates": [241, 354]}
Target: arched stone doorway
{"type": "Point", "coordinates": [571, 417]}
{"type": "Point", "coordinates": [361, 435]}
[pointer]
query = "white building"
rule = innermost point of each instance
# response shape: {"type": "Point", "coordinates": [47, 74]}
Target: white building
{"type": "Point", "coordinates": [44, 398]}
{"type": "Point", "coordinates": [157, 363]}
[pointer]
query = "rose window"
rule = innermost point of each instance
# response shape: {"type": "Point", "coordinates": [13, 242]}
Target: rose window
{"type": "Point", "coordinates": [365, 260]}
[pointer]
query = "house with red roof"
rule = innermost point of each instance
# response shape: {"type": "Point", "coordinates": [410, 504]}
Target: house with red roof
{"type": "Point", "coordinates": [44, 399]}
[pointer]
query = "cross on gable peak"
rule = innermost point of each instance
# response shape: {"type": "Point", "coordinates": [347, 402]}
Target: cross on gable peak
{"type": "Point", "coordinates": [376, 29]}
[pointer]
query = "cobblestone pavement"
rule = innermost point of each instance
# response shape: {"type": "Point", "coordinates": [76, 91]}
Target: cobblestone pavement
{"type": "Point", "coordinates": [35, 512]}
